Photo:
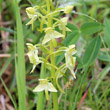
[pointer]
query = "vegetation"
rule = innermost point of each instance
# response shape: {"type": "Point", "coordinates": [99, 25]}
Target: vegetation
{"type": "Point", "coordinates": [73, 66]}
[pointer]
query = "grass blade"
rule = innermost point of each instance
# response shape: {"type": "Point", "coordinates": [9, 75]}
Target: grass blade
{"type": "Point", "coordinates": [102, 75]}
{"type": "Point", "coordinates": [20, 65]}
{"type": "Point", "coordinates": [9, 94]}
{"type": "Point", "coordinates": [6, 64]}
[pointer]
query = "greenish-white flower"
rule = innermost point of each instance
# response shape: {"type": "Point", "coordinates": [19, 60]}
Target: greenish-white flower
{"type": "Point", "coordinates": [71, 50]}
{"type": "Point", "coordinates": [51, 35]}
{"type": "Point", "coordinates": [64, 21]}
{"type": "Point", "coordinates": [68, 9]}
{"type": "Point", "coordinates": [45, 86]}
{"type": "Point", "coordinates": [31, 12]}
{"type": "Point", "coordinates": [70, 60]}
{"type": "Point", "coordinates": [33, 55]}
{"type": "Point", "coordinates": [70, 64]}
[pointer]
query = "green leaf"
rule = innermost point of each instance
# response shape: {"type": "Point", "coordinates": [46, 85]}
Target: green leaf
{"type": "Point", "coordinates": [6, 64]}
{"type": "Point", "coordinates": [71, 38]}
{"type": "Point", "coordinates": [9, 94]}
{"type": "Point", "coordinates": [20, 65]}
{"type": "Point", "coordinates": [7, 30]}
{"type": "Point", "coordinates": [92, 51]}
{"type": "Point", "coordinates": [102, 75]}
{"type": "Point", "coordinates": [102, 56]}
{"type": "Point", "coordinates": [89, 28]}
{"type": "Point", "coordinates": [72, 27]}
{"type": "Point", "coordinates": [107, 31]}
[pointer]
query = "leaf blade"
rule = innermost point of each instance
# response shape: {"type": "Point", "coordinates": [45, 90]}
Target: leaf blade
{"type": "Point", "coordinates": [89, 28]}
{"type": "Point", "coordinates": [92, 51]}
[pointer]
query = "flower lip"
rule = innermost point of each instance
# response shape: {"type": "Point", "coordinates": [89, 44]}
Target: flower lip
{"type": "Point", "coordinates": [51, 35]}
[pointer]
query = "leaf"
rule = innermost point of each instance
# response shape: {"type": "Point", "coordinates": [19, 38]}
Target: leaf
{"type": "Point", "coordinates": [102, 75]}
{"type": "Point", "coordinates": [6, 64]}
{"type": "Point", "coordinates": [89, 28]}
{"type": "Point", "coordinates": [9, 94]}
{"type": "Point", "coordinates": [70, 39]}
{"type": "Point", "coordinates": [92, 51]}
{"type": "Point", "coordinates": [102, 56]}
{"type": "Point", "coordinates": [80, 63]}
{"type": "Point", "coordinates": [20, 64]}
{"type": "Point", "coordinates": [7, 29]}
{"type": "Point", "coordinates": [72, 27]}
{"type": "Point", "coordinates": [107, 31]}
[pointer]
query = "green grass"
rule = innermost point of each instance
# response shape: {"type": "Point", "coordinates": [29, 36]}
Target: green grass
{"type": "Point", "coordinates": [20, 61]}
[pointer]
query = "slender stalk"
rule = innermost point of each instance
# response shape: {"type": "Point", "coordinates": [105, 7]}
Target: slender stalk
{"type": "Point", "coordinates": [52, 58]}
{"type": "Point", "coordinates": [40, 101]}
{"type": "Point", "coordinates": [55, 97]}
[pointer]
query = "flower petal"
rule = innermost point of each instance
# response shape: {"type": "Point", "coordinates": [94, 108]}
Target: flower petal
{"type": "Point", "coordinates": [58, 35]}
{"type": "Point", "coordinates": [39, 88]}
{"type": "Point", "coordinates": [34, 66]}
{"type": "Point", "coordinates": [46, 39]}
{"type": "Point", "coordinates": [51, 88]}
{"type": "Point", "coordinates": [64, 20]}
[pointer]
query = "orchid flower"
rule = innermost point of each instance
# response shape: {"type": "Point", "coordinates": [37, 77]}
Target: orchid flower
{"type": "Point", "coordinates": [31, 12]}
{"type": "Point", "coordinates": [70, 60]}
{"type": "Point", "coordinates": [45, 86]}
{"type": "Point", "coordinates": [33, 55]}
{"type": "Point", "coordinates": [64, 21]}
{"type": "Point", "coordinates": [51, 35]}
{"type": "Point", "coordinates": [70, 63]}
{"type": "Point", "coordinates": [71, 50]}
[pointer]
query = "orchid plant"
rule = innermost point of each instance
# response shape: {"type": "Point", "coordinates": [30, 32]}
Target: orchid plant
{"type": "Point", "coordinates": [47, 15]}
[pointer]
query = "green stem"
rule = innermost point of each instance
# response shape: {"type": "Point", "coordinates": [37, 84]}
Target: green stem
{"type": "Point", "coordinates": [40, 101]}
{"type": "Point", "coordinates": [55, 97]}
{"type": "Point", "coordinates": [52, 58]}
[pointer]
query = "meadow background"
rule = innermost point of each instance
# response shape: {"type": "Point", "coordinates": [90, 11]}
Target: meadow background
{"type": "Point", "coordinates": [90, 25]}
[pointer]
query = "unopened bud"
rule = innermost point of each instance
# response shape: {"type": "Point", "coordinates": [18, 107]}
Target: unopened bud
{"type": "Point", "coordinates": [68, 9]}
{"type": "Point", "coordinates": [30, 10]}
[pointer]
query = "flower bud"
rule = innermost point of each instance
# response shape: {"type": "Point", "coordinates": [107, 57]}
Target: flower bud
{"type": "Point", "coordinates": [68, 9]}
{"type": "Point", "coordinates": [30, 10]}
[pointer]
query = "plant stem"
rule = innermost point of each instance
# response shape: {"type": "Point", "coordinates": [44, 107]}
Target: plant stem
{"type": "Point", "coordinates": [52, 58]}
{"type": "Point", "coordinates": [40, 101]}
{"type": "Point", "coordinates": [55, 97]}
